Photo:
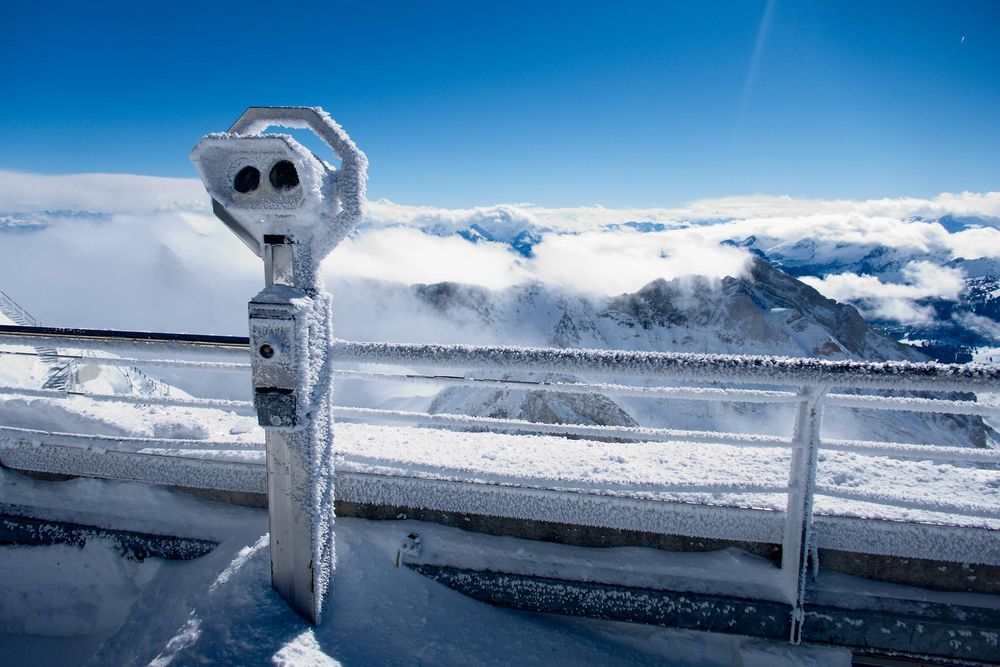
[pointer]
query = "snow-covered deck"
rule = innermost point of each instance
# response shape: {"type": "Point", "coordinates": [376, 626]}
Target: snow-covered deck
{"type": "Point", "coordinates": [700, 490]}
{"type": "Point", "coordinates": [877, 497]}
{"type": "Point", "coordinates": [804, 490]}
{"type": "Point", "coordinates": [220, 608]}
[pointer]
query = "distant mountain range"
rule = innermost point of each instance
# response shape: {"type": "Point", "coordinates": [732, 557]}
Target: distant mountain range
{"type": "Point", "coordinates": [764, 312]}
{"type": "Point", "coordinates": [127, 252]}
{"type": "Point", "coordinates": [954, 331]}
{"type": "Point", "coordinates": [957, 328]}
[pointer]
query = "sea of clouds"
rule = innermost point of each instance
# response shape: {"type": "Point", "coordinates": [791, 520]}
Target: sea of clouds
{"type": "Point", "coordinates": [138, 252]}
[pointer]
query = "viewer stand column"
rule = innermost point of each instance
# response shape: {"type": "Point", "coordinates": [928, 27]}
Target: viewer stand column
{"type": "Point", "coordinates": [290, 208]}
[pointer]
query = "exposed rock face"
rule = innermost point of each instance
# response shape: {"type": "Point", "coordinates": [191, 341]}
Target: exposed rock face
{"type": "Point", "coordinates": [547, 407]}
{"type": "Point", "coordinates": [765, 311]}
{"type": "Point", "coordinates": [766, 308]}
{"type": "Point", "coordinates": [452, 296]}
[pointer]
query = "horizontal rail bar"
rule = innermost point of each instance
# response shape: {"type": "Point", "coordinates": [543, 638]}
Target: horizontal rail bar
{"type": "Point", "coordinates": [936, 453]}
{"type": "Point", "coordinates": [676, 393]}
{"type": "Point", "coordinates": [683, 366]}
{"type": "Point", "coordinates": [615, 432]}
{"type": "Point", "coordinates": [957, 509]}
{"type": "Point", "coordinates": [103, 339]}
{"type": "Point", "coordinates": [155, 468]}
{"type": "Point", "coordinates": [120, 443]}
{"type": "Point", "coordinates": [135, 361]}
{"type": "Point", "coordinates": [132, 399]}
{"type": "Point", "coordinates": [408, 469]}
{"type": "Point", "coordinates": [911, 404]}
{"type": "Point", "coordinates": [211, 340]}
{"type": "Point", "coordinates": [177, 448]}
{"type": "Point", "coordinates": [895, 537]}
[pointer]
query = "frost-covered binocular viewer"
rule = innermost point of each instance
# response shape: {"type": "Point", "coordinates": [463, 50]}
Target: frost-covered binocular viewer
{"type": "Point", "coordinates": [291, 208]}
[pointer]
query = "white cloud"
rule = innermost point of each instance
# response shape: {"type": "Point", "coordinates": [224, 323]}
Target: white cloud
{"type": "Point", "coordinates": [894, 301]}
{"type": "Point", "coordinates": [749, 208]}
{"type": "Point", "coordinates": [595, 262]}
{"type": "Point", "coordinates": [899, 310]}
{"type": "Point", "coordinates": [930, 280]}
{"type": "Point", "coordinates": [105, 193]}
{"type": "Point", "coordinates": [168, 270]}
{"type": "Point", "coordinates": [983, 325]}
{"type": "Point", "coordinates": [623, 261]}
{"type": "Point", "coordinates": [778, 222]}
{"type": "Point", "coordinates": [155, 247]}
{"type": "Point", "coordinates": [409, 256]}
{"type": "Point", "coordinates": [975, 243]}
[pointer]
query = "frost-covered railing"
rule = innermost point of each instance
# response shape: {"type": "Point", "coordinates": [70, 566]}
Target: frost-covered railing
{"type": "Point", "coordinates": [807, 384]}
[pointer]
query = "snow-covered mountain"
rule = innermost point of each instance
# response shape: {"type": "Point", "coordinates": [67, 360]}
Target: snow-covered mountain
{"type": "Point", "coordinates": [498, 224]}
{"type": "Point", "coordinates": [953, 313]}
{"type": "Point", "coordinates": [920, 278]}
{"type": "Point", "coordinates": [129, 252]}
{"type": "Point", "coordinates": [547, 407]}
{"type": "Point", "coordinates": [763, 312]}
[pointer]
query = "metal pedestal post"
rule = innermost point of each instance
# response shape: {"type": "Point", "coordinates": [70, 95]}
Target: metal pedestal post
{"type": "Point", "coordinates": [290, 333]}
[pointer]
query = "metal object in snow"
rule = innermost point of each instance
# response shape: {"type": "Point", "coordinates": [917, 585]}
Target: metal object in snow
{"type": "Point", "coordinates": [291, 208]}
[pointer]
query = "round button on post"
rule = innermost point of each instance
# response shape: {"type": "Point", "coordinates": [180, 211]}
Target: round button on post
{"type": "Point", "coordinates": [266, 351]}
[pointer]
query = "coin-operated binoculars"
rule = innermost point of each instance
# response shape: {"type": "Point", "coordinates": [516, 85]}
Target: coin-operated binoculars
{"type": "Point", "coordinates": [291, 208]}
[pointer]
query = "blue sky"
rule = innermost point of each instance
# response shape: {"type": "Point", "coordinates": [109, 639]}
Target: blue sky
{"type": "Point", "coordinates": [464, 103]}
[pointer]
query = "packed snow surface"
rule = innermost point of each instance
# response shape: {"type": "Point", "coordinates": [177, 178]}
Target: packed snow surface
{"type": "Point", "coordinates": [220, 609]}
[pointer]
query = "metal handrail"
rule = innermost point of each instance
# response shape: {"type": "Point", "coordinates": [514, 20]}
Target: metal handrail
{"type": "Point", "coordinates": [812, 379]}
{"type": "Point", "coordinates": [74, 335]}
{"type": "Point", "coordinates": [751, 369]}
{"type": "Point", "coordinates": [746, 369]}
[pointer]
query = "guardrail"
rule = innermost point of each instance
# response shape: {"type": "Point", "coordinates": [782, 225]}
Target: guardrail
{"type": "Point", "coordinates": [807, 384]}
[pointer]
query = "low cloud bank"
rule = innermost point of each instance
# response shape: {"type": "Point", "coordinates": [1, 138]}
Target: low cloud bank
{"type": "Point", "coordinates": [406, 255]}
{"type": "Point", "coordinates": [601, 262]}
{"type": "Point", "coordinates": [122, 250]}
{"type": "Point", "coordinates": [895, 301]}
{"type": "Point", "coordinates": [615, 262]}
{"type": "Point", "coordinates": [777, 208]}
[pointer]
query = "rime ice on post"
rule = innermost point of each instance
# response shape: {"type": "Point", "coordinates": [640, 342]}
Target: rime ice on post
{"type": "Point", "coordinates": [291, 208]}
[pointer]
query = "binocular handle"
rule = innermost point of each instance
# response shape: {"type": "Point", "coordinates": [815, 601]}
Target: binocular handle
{"type": "Point", "coordinates": [353, 174]}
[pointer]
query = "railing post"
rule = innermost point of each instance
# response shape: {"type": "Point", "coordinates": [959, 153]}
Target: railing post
{"type": "Point", "coordinates": [71, 371]}
{"type": "Point", "coordinates": [798, 514]}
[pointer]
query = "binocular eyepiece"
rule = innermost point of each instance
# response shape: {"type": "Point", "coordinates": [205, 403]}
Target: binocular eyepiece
{"type": "Point", "coordinates": [283, 176]}
{"type": "Point", "coordinates": [269, 186]}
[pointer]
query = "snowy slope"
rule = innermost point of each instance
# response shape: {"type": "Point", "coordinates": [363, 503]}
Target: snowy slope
{"type": "Point", "coordinates": [764, 312]}
{"type": "Point", "coordinates": [220, 609]}
{"type": "Point", "coordinates": [146, 254]}
{"type": "Point", "coordinates": [18, 369]}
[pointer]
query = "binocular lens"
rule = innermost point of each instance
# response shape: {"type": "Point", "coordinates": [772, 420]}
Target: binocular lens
{"type": "Point", "coordinates": [247, 180]}
{"type": "Point", "coordinates": [284, 176]}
